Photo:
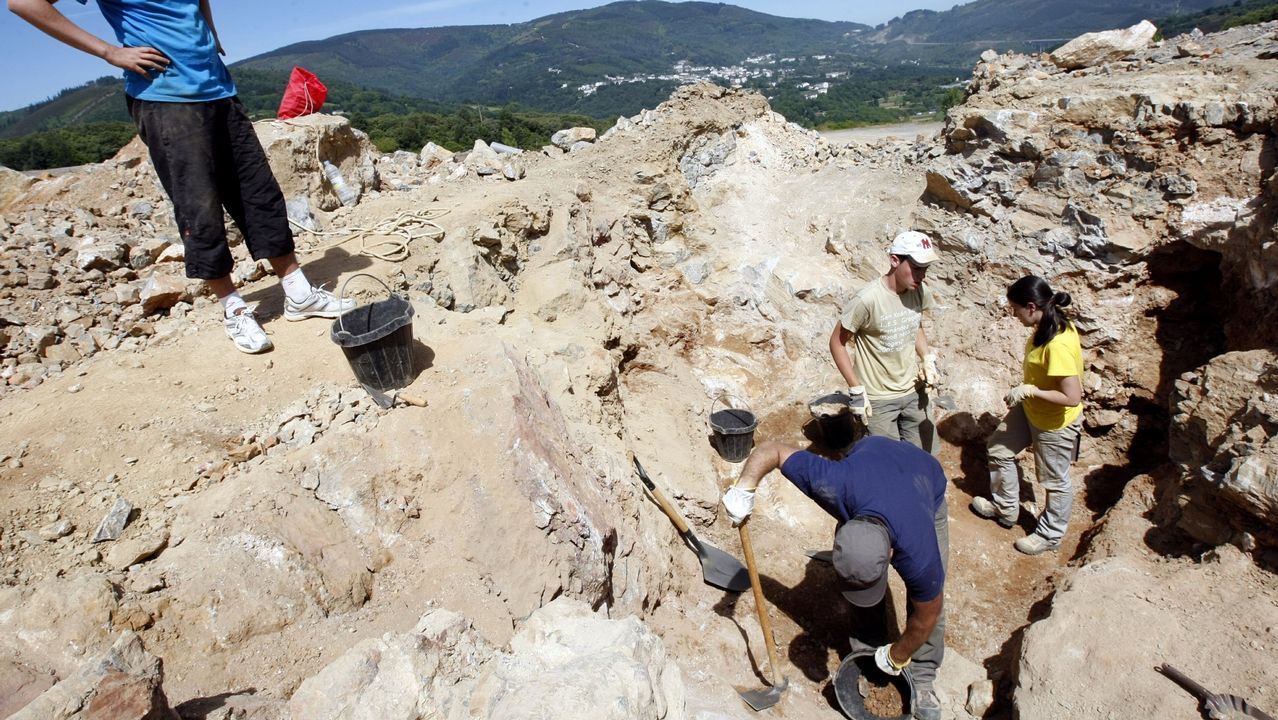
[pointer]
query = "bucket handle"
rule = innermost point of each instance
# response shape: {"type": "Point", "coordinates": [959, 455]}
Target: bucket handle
{"type": "Point", "coordinates": [341, 294]}
{"type": "Point", "coordinates": [722, 397]}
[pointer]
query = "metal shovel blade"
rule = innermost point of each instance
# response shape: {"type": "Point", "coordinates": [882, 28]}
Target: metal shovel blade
{"type": "Point", "coordinates": [720, 569]}
{"type": "Point", "coordinates": [382, 399]}
{"type": "Point", "coordinates": [764, 698]}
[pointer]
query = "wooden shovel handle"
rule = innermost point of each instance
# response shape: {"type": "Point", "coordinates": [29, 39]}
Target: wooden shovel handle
{"type": "Point", "coordinates": [764, 623]}
{"type": "Point", "coordinates": [414, 400]}
{"type": "Point", "coordinates": [659, 496]}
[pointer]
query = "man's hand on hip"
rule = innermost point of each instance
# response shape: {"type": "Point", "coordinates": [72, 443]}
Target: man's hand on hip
{"type": "Point", "coordinates": [141, 60]}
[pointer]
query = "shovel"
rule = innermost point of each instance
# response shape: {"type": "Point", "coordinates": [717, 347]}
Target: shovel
{"type": "Point", "coordinates": [763, 698]}
{"type": "Point", "coordinates": [385, 400]}
{"type": "Point", "coordinates": [1217, 705]}
{"type": "Point", "coordinates": [718, 568]}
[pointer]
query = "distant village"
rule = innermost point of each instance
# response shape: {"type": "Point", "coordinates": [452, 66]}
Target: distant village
{"type": "Point", "coordinates": [811, 74]}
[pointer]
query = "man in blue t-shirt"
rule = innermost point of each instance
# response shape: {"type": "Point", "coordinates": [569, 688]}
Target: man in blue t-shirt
{"type": "Point", "coordinates": [889, 500]}
{"type": "Point", "coordinates": [202, 145]}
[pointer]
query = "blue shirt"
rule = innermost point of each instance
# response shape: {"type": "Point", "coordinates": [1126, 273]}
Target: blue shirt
{"type": "Point", "coordinates": [176, 28]}
{"type": "Point", "coordinates": [890, 480]}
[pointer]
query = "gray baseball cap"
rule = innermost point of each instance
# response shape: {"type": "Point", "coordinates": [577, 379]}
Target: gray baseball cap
{"type": "Point", "coordinates": [862, 548]}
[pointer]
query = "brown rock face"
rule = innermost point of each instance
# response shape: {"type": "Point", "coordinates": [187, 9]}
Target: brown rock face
{"type": "Point", "coordinates": [120, 696]}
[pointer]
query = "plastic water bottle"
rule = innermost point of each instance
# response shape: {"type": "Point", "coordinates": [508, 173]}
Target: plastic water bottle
{"type": "Point", "coordinates": [338, 183]}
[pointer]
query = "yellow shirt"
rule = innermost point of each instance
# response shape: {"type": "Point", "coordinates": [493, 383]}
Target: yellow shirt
{"type": "Point", "coordinates": [1044, 366]}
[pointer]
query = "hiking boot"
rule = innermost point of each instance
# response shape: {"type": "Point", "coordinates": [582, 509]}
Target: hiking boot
{"type": "Point", "coordinates": [1035, 544]}
{"type": "Point", "coordinates": [244, 331]}
{"type": "Point", "coordinates": [926, 705]}
{"type": "Point", "coordinates": [320, 303]}
{"type": "Point", "coordinates": [987, 510]}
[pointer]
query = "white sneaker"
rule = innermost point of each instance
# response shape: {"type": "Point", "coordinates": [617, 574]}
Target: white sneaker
{"type": "Point", "coordinates": [1036, 544]}
{"type": "Point", "coordinates": [320, 303]}
{"type": "Point", "coordinates": [244, 331]}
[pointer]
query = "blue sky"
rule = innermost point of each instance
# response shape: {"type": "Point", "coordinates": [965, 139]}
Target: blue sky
{"type": "Point", "coordinates": [39, 66]}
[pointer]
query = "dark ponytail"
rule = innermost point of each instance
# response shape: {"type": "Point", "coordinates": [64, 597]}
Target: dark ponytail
{"type": "Point", "coordinates": [1034, 289]}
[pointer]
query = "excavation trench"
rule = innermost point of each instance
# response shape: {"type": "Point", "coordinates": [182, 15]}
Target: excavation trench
{"type": "Point", "coordinates": [993, 593]}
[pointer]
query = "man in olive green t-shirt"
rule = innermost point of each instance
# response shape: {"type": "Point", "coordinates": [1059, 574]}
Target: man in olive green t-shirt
{"type": "Point", "coordinates": [884, 322]}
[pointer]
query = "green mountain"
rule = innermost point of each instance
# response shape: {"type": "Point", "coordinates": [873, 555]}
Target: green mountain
{"type": "Point", "coordinates": [1027, 24]}
{"type": "Point", "coordinates": [403, 85]}
{"type": "Point", "coordinates": [541, 63]}
{"type": "Point", "coordinates": [1239, 12]}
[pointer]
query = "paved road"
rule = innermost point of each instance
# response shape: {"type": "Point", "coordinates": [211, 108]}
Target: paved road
{"type": "Point", "coordinates": [903, 131]}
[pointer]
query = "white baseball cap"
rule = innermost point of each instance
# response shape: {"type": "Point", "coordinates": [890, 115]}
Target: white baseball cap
{"type": "Point", "coordinates": [914, 244]}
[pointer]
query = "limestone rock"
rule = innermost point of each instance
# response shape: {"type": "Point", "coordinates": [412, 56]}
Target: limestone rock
{"type": "Point", "coordinates": [55, 624]}
{"type": "Point", "coordinates": [292, 149]}
{"type": "Point", "coordinates": [571, 136]}
{"type": "Point", "coordinates": [13, 185]}
{"type": "Point", "coordinates": [1122, 614]}
{"type": "Point", "coordinates": [114, 521]}
{"type": "Point", "coordinates": [124, 683]}
{"type": "Point", "coordinates": [1095, 48]}
{"type": "Point", "coordinates": [432, 155]}
{"type": "Point", "coordinates": [426, 673]}
{"type": "Point", "coordinates": [163, 290]}
{"type": "Point", "coordinates": [570, 663]}
{"type": "Point", "coordinates": [131, 552]}
{"type": "Point", "coordinates": [98, 255]}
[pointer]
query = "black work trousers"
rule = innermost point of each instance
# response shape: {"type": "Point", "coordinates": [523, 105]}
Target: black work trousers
{"type": "Point", "coordinates": [208, 157]}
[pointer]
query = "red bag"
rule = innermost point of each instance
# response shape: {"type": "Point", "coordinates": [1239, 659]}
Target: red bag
{"type": "Point", "coordinates": [304, 95]}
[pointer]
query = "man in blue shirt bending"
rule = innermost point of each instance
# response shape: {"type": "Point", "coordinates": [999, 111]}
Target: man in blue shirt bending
{"type": "Point", "coordinates": [889, 500]}
{"type": "Point", "coordinates": [203, 147]}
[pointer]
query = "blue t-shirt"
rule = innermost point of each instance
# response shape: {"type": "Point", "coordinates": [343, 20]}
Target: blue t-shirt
{"type": "Point", "coordinates": [890, 480]}
{"type": "Point", "coordinates": [176, 28]}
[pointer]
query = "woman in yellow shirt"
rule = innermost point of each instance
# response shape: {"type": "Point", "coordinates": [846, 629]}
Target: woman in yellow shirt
{"type": "Point", "coordinates": [1045, 412]}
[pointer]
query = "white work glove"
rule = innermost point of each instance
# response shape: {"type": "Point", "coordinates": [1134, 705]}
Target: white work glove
{"type": "Point", "coordinates": [883, 659]}
{"type": "Point", "coordinates": [739, 503]}
{"type": "Point", "coordinates": [1019, 394]}
{"type": "Point", "coordinates": [931, 375]}
{"type": "Point", "coordinates": [860, 404]}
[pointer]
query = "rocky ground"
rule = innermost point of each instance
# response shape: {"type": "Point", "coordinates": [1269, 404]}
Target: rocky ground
{"type": "Point", "coordinates": [288, 549]}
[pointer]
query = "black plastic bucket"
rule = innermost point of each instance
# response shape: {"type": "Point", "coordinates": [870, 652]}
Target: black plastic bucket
{"type": "Point", "coordinates": [377, 340]}
{"type": "Point", "coordinates": [838, 429]}
{"type": "Point", "coordinates": [733, 430]}
{"type": "Point", "coordinates": [847, 691]}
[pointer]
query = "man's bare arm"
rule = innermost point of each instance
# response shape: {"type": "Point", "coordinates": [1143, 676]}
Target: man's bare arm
{"type": "Point", "coordinates": [839, 351]}
{"type": "Point", "coordinates": [922, 618]}
{"type": "Point", "coordinates": [51, 21]}
{"type": "Point", "coordinates": [764, 459]}
{"type": "Point", "coordinates": [207, 12]}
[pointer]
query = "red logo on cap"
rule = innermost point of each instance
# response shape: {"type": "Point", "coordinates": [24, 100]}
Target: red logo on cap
{"type": "Point", "coordinates": [927, 243]}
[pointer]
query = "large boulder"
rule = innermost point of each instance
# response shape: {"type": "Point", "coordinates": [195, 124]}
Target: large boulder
{"type": "Point", "coordinates": [1095, 48]}
{"type": "Point", "coordinates": [124, 683]}
{"type": "Point", "coordinates": [1223, 437]}
{"type": "Point", "coordinates": [13, 185]}
{"type": "Point", "coordinates": [1119, 618]}
{"type": "Point", "coordinates": [569, 663]}
{"type": "Point", "coordinates": [426, 673]}
{"type": "Point", "coordinates": [296, 148]}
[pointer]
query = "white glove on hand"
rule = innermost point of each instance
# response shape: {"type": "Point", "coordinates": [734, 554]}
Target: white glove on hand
{"type": "Point", "coordinates": [931, 375]}
{"type": "Point", "coordinates": [739, 503]}
{"type": "Point", "coordinates": [1019, 394]}
{"type": "Point", "coordinates": [883, 659]}
{"type": "Point", "coordinates": [860, 404]}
